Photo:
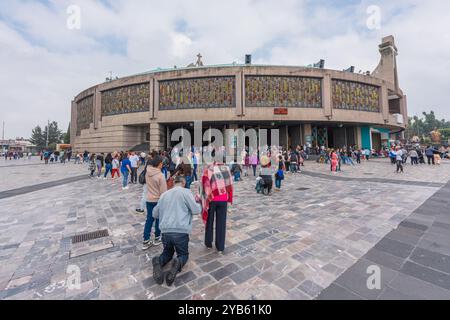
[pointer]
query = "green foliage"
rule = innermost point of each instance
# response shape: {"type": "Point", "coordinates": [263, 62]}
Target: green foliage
{"type": "Point", "coordinates": [445, 133]}
{"type": "Point", "coordinates": [423, 126]}
{"type": "Point", "coordinates": [39, 136]}
{"type": "Point", "coordinates": [67, 135]}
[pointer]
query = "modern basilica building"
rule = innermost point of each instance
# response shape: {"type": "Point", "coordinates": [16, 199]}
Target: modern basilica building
{"type": "Point", "coordinates": [309, 105]}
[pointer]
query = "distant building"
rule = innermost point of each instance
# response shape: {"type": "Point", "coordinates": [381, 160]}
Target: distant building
{"type": "Point", "coordinates": [17, 145]}
{"type": "Point", "coordinates": [309, 105]}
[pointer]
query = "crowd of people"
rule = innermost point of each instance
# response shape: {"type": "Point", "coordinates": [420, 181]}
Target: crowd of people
{"type": "Point", "coordinates": [397, 153]}
{"type": "Point", "coordinates": [16, 155]}
{"type": "Point", "coordinates": [175, 187]}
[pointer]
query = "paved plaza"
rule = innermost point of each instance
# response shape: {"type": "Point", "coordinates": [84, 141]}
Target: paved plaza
{"type": "Point", "coordinates": [312, 240]}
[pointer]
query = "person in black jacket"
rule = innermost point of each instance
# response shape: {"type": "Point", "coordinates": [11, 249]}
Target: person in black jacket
{"type": "Point", "coordinates": [108, 164]}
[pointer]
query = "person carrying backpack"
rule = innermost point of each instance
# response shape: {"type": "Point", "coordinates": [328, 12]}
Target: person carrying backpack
{"type": "Point", "coordinates": [293, 162]}
{"type": "Point", "coordinates": [279, 175]}
{"type": "Point", "coordinates": [142, 181]}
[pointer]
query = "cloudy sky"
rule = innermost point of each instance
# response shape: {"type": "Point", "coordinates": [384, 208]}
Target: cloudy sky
{"type": "Point", "coordinates": [44, 64]}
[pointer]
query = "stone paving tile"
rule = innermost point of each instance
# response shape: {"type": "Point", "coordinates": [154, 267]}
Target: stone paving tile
{"type": "Point", "coordinates": [427, 274]}
{"type": "Point", "coordinates": [310, 288]}
{"type": "Point", "coordinates": [225, 271]}
{"type": "Point", "coordinates": [411, 285]}
{"type": "Point", "coordinates": [412, 259]}
{"type": "Point", "coordinates": [431, 259]}
{"type": "Point", "coordinates": [307, 237]}
{"type": "Point", "coordinates": [336, 292]}
{"type": "Point", "coordinates": [244, 274]}
{"type": "Point", "coordinates": [177, 294]}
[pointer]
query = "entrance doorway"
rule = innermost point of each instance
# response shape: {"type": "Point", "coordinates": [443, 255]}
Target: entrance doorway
{"type": "Point", "coordinates": [376, 141]}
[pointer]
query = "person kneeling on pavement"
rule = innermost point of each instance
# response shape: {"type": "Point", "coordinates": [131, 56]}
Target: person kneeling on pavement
{"type": "Point", "coordinates": [175, 211]}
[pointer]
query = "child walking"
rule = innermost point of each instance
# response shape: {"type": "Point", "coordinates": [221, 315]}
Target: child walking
{"type": "Point", "coordinates": [279, 175]}
{"type": "Point", "coordinates": [115, 167]}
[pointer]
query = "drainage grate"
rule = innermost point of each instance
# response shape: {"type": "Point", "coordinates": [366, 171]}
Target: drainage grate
{"type": "Point", "coordinates": [302, 189]}
{"type": "Point", "coordinates": [90, 236]}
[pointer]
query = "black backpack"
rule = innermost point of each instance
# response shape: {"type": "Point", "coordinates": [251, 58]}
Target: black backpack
{"type": "Point", "coordinates": [294, 158]}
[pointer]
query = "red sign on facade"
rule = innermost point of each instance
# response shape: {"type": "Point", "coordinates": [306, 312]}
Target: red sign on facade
{"type": "Point", "coordinates": [280, 111]}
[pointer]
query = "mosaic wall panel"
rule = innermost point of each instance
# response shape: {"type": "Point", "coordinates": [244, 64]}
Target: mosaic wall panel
{"type": "Point", "coordinates": [134, 98]}
{"type": "Point", "coordinates": [211, 92]}
{"type": "Point", "coordinates": [355, 96]}
{"type": "Point", "coordinates": [85, 113]}
{"type": "Point", "coordinates": [283, 91]}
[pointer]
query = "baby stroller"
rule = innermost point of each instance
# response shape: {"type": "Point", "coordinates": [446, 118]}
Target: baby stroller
{"type": "Point", "coordinates": [264, 184]}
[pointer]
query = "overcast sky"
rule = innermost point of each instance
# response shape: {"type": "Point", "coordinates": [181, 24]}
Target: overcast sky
{"type": "Point", "coordinates": [44, 64]}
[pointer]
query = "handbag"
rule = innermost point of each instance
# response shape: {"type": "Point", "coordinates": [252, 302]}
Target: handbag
{"type": "Point", "coordinates": [142, 176]}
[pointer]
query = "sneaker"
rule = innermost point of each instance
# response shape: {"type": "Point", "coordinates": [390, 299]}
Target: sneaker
{"type": "Point", "coordinates": [146, 245]}
{"type": "Point", "coordinates": [126, 188]}
{"type": "Point", "coordinates": [220, 253]}
{"type": "Point", "coordinates": [157, 241]}
{"type": "Point", "coordinates": [140, 211]}
{"type": "Point", "coordinates": [157, 271]}
{"type": "Point", "coordinates": [172, 273]}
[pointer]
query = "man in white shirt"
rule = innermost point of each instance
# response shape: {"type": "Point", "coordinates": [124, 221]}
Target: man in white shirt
{"type": "Point", "coordinates": [134, 159]}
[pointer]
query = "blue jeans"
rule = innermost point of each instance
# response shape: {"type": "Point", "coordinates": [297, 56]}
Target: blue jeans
{"type": "Point", "coordinates": [108, 168]}
{"type": "Point", "coordinates": [125, 175]}
{"type": "Point", "coordinates": [175, 242]}
{"type": "Point", "coordinates": [188, 182]}
{"type": "Point", "coordinates": [99, 168]}
{"type": "Point", "coordinates": [194, 173]}
{"type": "Point", "coordinates": [149, 222]}
{"type": "Point", "coordinates": [237, 176]}
{"type": "Point", "coordinates": [278, 183]}
{"type": "Point", "coordinates": [293, 167]}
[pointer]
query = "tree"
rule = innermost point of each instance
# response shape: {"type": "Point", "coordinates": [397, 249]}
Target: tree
{"type": "Point", "coordinates": [55, 135]}
{"type": "Point", "coordinates": [67, 135]}
{"type": "Point", "coordinates": [38, 138]}
{"type": "Point", "coordinates": [422, 127]}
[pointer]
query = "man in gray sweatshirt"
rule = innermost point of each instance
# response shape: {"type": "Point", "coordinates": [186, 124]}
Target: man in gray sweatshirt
{"type": "Point", "coordinates": [175, 211]}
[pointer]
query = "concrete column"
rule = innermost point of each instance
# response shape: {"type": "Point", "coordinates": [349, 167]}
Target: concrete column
{"type": "Point", "coordinates": [243, 94]}
{"type": "Point", "coordinates": [404, 110]}
{"type": "Point", "coordinates": [238, 93]}
{"type": "Point", "coordinates": [384, 102]}
{"type": "Point", "coordinates": [358, 137]}
{"type": "Point", "coordinates": [155, 98]}
{"type": "Point", "coordinates": [157, 135]}
{"type": "Point", "coordinates": [326, 95]}
{"type": "Point", "coordinates": [97, 108]}
{"type": "Point", "coordinates": [151, 98]}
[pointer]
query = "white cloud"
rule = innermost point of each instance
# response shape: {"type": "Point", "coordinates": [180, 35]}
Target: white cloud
{"type": "Point", "coordinates": [43, 64]}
